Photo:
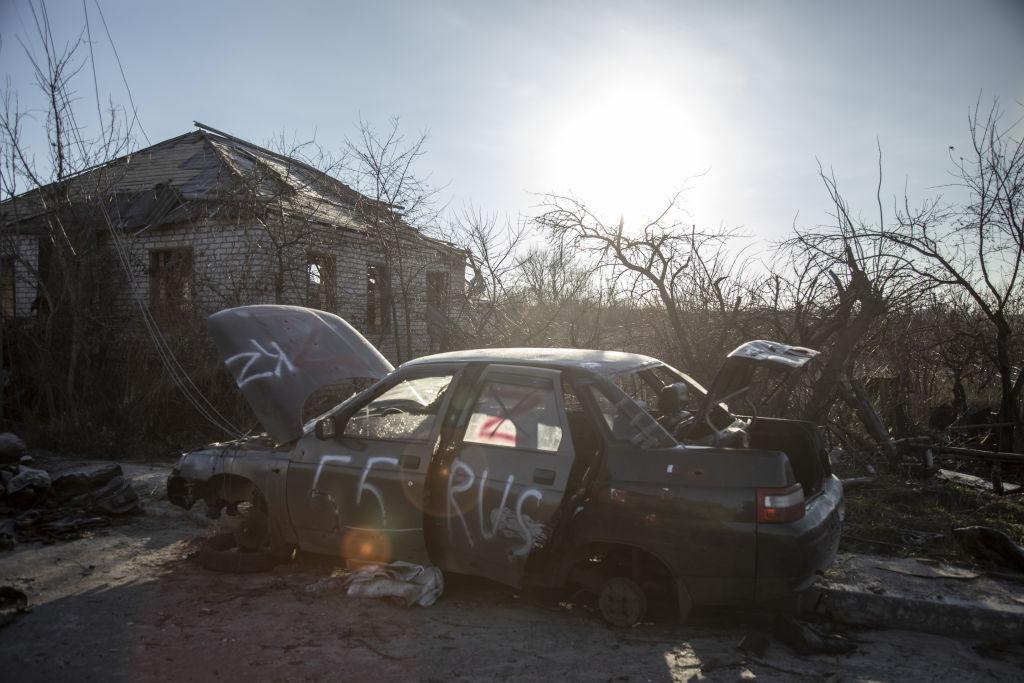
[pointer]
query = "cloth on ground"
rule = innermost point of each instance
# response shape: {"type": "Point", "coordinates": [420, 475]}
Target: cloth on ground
{"type": "Point", "coordinates": [411, 584]}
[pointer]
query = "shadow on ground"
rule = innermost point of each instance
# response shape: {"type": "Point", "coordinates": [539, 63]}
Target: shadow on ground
{"type": "Point", "coordinates": [131, 603]}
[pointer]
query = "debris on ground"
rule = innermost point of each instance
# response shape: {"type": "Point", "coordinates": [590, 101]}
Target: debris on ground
{"type": "Point", "coordinates": [333, 584]}
{"type": "Point", "coordinates": [920, 539]}
{"type": "Point", "coordinates": [221, 553]}
{"type": "Point", "coordinates": [1010, 652]}
{"type": "Point", "coordinates": [851, 483]}
{"type": "Point", "coordinates": [410, 584]}
{"type": "Point", "coordinates": [990, 545]}
{"type": "Point", "coordinates": [13, 603]}
{"type": "Point", "coordinates": [27, 484]}
{"type": "Point", "coordinates": [755, 643]}
{"type": "Point", "coordinates": [925, 569]}
{"type": "Point", "coordinates": [973, 481]}
{"type": "Point", "coordinates": [11, 448]}
{"type": "Point", "coordinates": [116, 497]}
{"type": "Point", "coordinates": [36, 505]}
{"type": "Point", "coordinates": [805, 639]}
{"type": "Point", "coordinates": [79, 480]}
{"type": "Point", "coordinates": [8, 535]}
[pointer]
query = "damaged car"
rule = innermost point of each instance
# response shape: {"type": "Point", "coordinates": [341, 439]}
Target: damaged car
{"type": "Point", "coordinates": [604, 471]}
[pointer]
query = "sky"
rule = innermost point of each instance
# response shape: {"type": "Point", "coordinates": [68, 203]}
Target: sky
{"type": "Point", "coordinates": [618, 103]}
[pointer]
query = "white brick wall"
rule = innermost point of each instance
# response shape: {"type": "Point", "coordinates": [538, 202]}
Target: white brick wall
{"type": "Point", "coordinates": [236, 265]}
{"type": "Point", "coordinates": [25, 250]}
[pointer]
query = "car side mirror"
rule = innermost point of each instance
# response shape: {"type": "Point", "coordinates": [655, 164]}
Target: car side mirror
{"type": "Point", "coordinates": [326, 428]}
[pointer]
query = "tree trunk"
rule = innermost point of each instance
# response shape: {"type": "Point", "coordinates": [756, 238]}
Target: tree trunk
{"type": "Point", "coordinates": [854, 395]}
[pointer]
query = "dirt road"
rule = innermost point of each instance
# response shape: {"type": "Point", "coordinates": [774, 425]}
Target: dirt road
{"type": "Point", "coordinates": [129, 603]}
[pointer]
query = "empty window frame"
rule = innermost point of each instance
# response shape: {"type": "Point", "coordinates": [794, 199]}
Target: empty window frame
{"type": "Point", "coordinates": [171, 289]}
{"type": "Point", "coordinates": [8, 301]}
{"type": "Point", "coordinates": [378, 297]}
{"type": "Point", "coordinates": [321, 290]}
{"type": "Point", "coordinates": [437, 288]}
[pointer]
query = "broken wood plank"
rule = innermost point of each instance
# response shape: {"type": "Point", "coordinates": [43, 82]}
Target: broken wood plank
{"type": "Point", "coordinates": [972, 481]}
{"type": "Point", "coordinates": [1017, 458]}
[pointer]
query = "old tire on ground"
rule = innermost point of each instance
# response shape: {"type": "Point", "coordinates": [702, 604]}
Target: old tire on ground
{"type": "Point", "coordinates": [622, 601]}
{"type": "Point", "coordinates": [221, 553]}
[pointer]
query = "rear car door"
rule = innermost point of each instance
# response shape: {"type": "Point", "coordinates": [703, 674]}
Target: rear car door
{"type": "Point", "coordinates": [513, 455]}
{"type": "Point", "coordinates": [360, 494]}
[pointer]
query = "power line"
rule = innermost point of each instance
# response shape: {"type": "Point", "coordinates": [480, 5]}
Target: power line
{"type": "Point", "coordinates": [124, 79]}
{"type": "Point", "coordinates": [178, 374]}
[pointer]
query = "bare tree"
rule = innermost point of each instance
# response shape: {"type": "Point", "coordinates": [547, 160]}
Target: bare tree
{"type": "Point", "coordinates": [667, 262]}
{"type": "Point", "coordinates": [400, 208]}
{"type": "Point", "coordinates": [488, 312]}
{"type": "Point", "coordinates": [858, 279]}
{"type": "Point", "coordinates": [976, 247]}
{"type": "Point", "coordinates": [55, 208]}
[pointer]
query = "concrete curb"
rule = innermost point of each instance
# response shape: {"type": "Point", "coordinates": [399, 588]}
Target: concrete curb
{"type": "Point", "coordinates": [948, 616]}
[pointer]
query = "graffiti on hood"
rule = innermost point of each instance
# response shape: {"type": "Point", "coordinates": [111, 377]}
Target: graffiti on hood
{"type": "Point", "coordinates": [260, 363]}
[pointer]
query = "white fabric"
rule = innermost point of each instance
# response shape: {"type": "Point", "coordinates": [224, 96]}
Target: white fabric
{"type": "Point", "coordinates": [411, 584]}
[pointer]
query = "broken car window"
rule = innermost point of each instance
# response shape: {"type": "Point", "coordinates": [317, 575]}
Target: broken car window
{"type": "Point", "coordinates": [516, 416]}
{"type": "Point", "coordinates": [626, 419]}
{"type": "Point", "coordinates": [406, 411]}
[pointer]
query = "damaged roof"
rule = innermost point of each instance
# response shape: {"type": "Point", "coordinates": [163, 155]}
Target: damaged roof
{"type": "Point", "coordinates": [203, 171]}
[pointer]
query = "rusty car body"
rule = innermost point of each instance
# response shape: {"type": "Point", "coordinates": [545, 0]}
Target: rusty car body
{"type": "Point", "coordinates": [531, 467]}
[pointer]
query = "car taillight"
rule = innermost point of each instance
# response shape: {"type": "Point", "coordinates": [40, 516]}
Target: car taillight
{"type": "Point", "coordinates": [775, 506]}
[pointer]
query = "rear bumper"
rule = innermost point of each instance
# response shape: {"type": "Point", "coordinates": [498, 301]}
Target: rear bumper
{"type": "Point", "coordinates": [790, 556]}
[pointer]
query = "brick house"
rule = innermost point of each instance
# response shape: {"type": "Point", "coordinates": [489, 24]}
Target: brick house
{"type": "Point", "coordinates": [205, 220]}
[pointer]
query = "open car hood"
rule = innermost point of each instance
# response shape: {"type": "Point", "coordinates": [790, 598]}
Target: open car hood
{"type": "Point", "coordinates": [739, 367]}
{"type": "Point", "coordinates": [279, 355]}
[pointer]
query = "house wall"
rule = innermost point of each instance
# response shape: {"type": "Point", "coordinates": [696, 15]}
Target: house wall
{"type": "Point", "coordinates": [25, 250]}
{"type": "Point", "coordinates": [237, 265]}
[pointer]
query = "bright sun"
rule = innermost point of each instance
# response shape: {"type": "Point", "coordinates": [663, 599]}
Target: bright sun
{"type": "Point", "coordinates": [626, 147]}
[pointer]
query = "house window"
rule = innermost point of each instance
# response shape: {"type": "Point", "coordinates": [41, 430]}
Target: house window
{"type": "Point", "coordinates": [171, 290]}
{"type": "Point", "coordinates": [320, 282]}
{"type": "Point", "coordinates": [378, 297]}
{"type": "Point", "coordinates": [7, 299]}
{"type": "Point", "coordinates": [437, 288]}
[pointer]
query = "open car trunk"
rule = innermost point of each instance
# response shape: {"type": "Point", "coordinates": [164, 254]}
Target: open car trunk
{"type": "Point", "coordinates": [802, 444]}
{"type": "Point", "coordinates": [799, 440]}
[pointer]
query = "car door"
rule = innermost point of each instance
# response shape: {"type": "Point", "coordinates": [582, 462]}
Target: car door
{"type": "Point", "coordinates": [511, 464]}
{"type": "Point", "coordinates": [360, 493]}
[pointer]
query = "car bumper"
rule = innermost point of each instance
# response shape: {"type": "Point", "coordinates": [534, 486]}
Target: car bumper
{"type": "Point", "coordinates": [791, 556]}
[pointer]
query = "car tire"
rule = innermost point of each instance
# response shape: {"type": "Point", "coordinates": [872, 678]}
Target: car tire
{"type": "Point", "coordinates": [622, 602]}
{"type": "Point", "coordinates": [221, 553]}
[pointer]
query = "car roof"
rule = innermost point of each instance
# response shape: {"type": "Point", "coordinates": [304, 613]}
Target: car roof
{"type": "Point", "coordinates": [599, 362]}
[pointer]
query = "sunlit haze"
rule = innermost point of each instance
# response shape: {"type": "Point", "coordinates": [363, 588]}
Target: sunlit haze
{"type": "Point", "coordinates": [616, 103]}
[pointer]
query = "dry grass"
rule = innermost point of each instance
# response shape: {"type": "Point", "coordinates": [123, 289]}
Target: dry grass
{"type": "Point", "coordinates": [908, 518]}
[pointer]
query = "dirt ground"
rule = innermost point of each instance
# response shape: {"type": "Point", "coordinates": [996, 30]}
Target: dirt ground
{"type": "Point", "coordinates": [130, 602]}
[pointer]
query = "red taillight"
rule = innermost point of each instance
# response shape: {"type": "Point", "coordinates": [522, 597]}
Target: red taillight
{"type": "Point", "coordinates": [775, 506]}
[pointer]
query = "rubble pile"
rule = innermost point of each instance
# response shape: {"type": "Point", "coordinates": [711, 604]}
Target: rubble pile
{"type": "Point", "coordinates": [36, 505]}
